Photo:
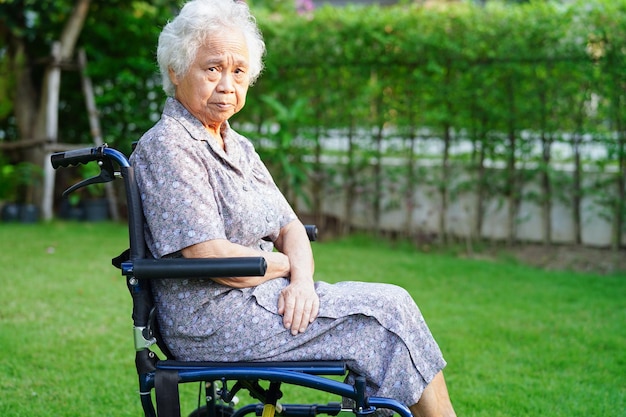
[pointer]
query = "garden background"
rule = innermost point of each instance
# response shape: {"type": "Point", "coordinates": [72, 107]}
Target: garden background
{"type": "Point", "coordinates": [508, 114]}
{"type": "Point", "coordinates": [446, 120]}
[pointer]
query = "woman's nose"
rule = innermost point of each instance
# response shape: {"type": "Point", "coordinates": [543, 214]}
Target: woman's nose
{"type": "Point", "coordinates": [226, 83]}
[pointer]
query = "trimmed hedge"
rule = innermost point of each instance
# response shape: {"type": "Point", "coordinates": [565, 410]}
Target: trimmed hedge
{"type": "Point", "coordinates": [521, 89]}
{"type": "Point", "coordinates": [518, 104]}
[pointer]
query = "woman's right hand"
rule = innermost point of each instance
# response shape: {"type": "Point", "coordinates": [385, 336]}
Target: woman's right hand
{"type": "Point", "coordinates": [299, 305]}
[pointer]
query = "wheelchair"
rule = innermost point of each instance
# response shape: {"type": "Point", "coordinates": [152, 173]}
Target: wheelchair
{"type": "Point", "coordinates": [159, 378]}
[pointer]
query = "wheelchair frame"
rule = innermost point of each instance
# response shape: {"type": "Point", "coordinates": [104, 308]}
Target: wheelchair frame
{"type": "Point", "coordinates": [163, 376]}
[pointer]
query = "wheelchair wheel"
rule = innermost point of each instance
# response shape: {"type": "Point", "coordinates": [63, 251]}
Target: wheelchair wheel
{"type": "Point", "coordinates": [220, 411]}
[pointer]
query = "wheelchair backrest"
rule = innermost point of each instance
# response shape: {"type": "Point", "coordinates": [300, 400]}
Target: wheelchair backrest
{"type": "Point", "coordinates": [137, 263]}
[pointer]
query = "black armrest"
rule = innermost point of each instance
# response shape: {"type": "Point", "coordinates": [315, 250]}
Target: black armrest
{"type": "Point", "coordinates": [311, 231]}
{"type": "Point", "coordinates": [195, 268]}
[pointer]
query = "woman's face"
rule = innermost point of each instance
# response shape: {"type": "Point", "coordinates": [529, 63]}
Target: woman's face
{"type": "Point", "coordinates": [216, 84]}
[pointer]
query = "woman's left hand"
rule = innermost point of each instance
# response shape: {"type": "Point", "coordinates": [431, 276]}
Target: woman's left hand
{"type": "Point", "coordinates": [299, 305]}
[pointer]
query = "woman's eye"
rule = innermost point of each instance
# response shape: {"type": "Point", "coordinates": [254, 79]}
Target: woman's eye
{"type": "Point", "coordinates": [240, 73]}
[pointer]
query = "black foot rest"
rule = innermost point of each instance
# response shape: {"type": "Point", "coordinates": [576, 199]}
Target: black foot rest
{"type": "Point", "coordinates": [311, 368]}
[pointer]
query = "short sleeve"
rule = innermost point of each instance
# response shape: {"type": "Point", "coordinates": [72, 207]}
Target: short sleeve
{"type": "Point", "coordinates": [178, 201]}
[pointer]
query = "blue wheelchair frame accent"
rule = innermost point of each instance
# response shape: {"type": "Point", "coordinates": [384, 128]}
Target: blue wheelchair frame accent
{"type": "Point", "coordinates": [163, 376]}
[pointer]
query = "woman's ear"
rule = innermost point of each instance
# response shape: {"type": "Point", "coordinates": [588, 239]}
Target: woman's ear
{"type": "Point", "coordinates": [173, 77]}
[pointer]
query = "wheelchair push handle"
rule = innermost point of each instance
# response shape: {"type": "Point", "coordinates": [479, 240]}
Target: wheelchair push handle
{"type": "Point", "coordinates": [105, 157]}
{"type": "Point", "coordinates": [85, 155]}
{"type": "Point", "coordinates": [75, 157]}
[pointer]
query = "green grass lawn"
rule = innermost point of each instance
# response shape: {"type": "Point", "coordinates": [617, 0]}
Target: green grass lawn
{"type": "Point", "coordinates": [519, 341]}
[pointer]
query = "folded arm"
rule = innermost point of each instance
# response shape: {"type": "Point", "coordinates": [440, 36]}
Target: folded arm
{"type": "Point", "coordinates": [277, 263]}
{"type": "Point", "coordinates": [298, 302]}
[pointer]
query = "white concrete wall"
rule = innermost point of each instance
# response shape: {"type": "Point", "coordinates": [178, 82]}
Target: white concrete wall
{"type": "Point", "coordinates": [595, 229]}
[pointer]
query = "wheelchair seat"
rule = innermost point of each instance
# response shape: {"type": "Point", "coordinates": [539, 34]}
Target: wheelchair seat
{"type": "Point", "coordinates": [159, 378]}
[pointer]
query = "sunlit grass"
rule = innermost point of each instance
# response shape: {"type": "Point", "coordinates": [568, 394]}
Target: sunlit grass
{"type": "Point", "coordinates": [519, 341]}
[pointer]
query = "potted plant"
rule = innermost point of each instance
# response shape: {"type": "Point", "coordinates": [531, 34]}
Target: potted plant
{"type": "Point", "coordinates": [71, 208]}
{"type": "Point", "coordinates": [19, 182]}
{"type": "Point", "coordinates": [8, 187]}
{"type": "Point", "coordinates": [28, 176]}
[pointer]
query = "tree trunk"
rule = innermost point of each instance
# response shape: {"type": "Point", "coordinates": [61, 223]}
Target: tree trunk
{"type": "Point", "coordinates": [25, 105]}
{"type": "Point", "coordinates": [350, 182]}
{"type": "Point", "coordinates": [63, 52]}
{"type": "Point", "coordinates": [445, 160]}
{"type": "Point", "coordinates": [33, 109]}
{"type": "Point", "coordinates": [73, 27]}
{"type": "Point", "coordinates": [512, 186]}
{"type": "Point", "coordinates": [443, 184]}
{"type": "Point", "coordinates": [546, 185]}
{"type": "Point", "coordinates": [546, 156]}
{"type": "Point", "coordinates": [512, 197]}
{"type": "Point", "coordinates": [613, 62]}
{"type": "Point", "coordinates": [409, 196]}
{"type": "Point", "coordinates": [378, 180]}
{"type": "Point", "coordinates": [618, 215]}
{"type": "Point", "coordinates": [619, 202]}
{"type": "Point", "coordinates": [318, 179]}
{"type": "Point", "coordinates": [479, 149]}
{"type": "Point", "coordinates": [577, 190]}
{"type": "Point", "coordinates": [577, 186]}
{"type": "Point", "coordinates": [479, 204]}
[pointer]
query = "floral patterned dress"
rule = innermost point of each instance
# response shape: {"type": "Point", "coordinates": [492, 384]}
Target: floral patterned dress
{"type": "Point", "coordinates": [193, 191]}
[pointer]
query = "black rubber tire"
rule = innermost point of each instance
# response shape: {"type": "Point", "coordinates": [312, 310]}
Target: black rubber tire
{"type": "Point", "coordinates": [220, 411]}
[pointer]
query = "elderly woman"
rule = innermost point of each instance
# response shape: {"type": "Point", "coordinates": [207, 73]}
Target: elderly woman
{"type": "Point", "coordinates": [206, 194]}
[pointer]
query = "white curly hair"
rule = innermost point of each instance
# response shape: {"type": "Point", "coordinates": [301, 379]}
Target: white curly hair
{"type": "Point", "coordinates": [197, 21]}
